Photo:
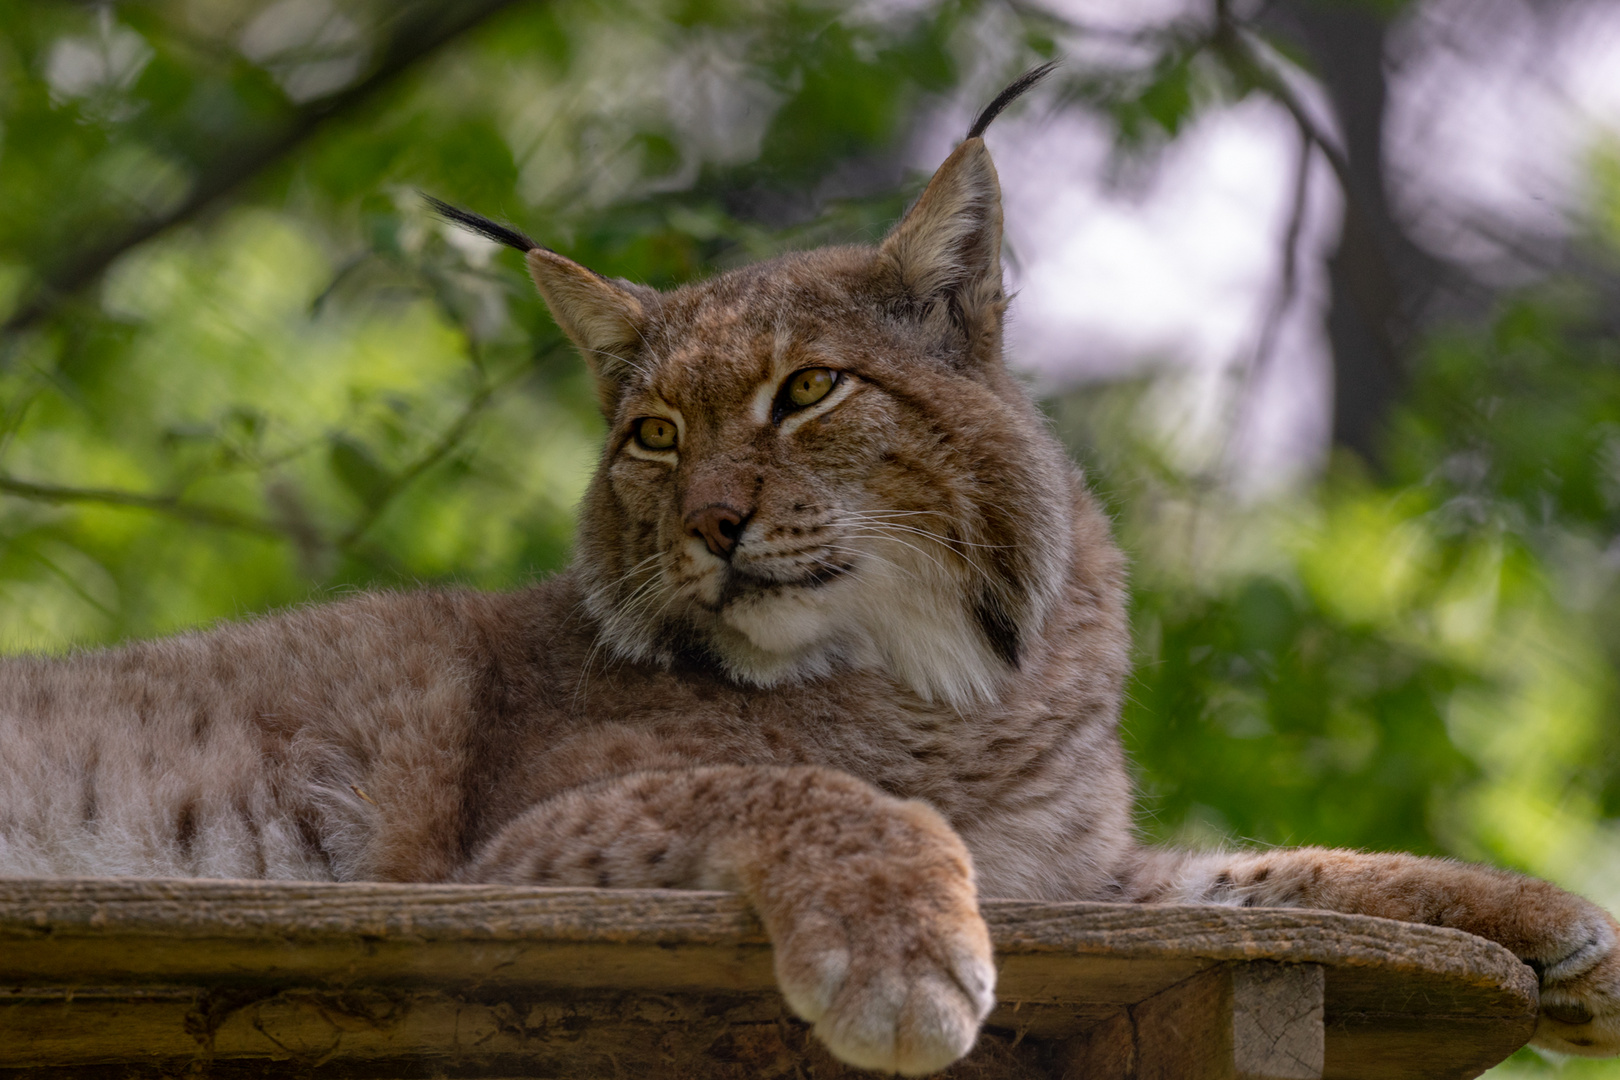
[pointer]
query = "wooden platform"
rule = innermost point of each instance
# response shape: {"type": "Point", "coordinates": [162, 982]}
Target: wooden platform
{"type": "Point", "coordinates": [125, 978]}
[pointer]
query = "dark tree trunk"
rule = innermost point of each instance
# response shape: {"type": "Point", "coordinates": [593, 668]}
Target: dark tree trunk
{"type": "Point", "coordinates": [1379, 279]}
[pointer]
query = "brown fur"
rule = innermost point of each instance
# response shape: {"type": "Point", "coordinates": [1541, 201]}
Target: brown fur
{"type": "Point", "coordinates": [861, 661]}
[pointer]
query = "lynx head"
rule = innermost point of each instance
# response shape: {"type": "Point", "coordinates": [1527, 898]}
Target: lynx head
{"type": "Point", "coordinates": [821, 461]}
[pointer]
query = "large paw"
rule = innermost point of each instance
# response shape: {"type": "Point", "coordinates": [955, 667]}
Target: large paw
{"type": "Point", "coordinates": [1580, 989]}
{"type": "Point", "coordinates": [902, 992]}
{"type": "Point", "coordinates": [890, 961]}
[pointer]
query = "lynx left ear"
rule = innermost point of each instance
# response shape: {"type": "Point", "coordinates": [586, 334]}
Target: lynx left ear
{"type": "Point", "coordinates": [604, 317]}
{"type": "Point", "coordinates": [945, 254]}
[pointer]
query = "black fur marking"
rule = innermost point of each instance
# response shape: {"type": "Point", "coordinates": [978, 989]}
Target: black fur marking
{"type": "Point", "coordinates": [999, 628]}
{"type": "Point", "coordinates": [88, 806]}
{"type": "Point", "coordinates": [483, 226]}
{"type": "Point", "coordinates": [309, 837]}
{"type": "Point", "coordinates": [1013, 92]}
{"type": "Point", "coordinates": [185, 829]}
{"type": "Point", "coordinates": [245, 813]}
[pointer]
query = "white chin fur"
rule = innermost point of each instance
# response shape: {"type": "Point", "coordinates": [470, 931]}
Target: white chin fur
{"type": "Point", "coordinates": [788, 623]}
{"type": "Point", "coordinates": [902, 611]}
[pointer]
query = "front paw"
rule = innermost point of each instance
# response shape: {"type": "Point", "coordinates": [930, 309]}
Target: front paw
{"type": "Point", "coordinates": [890, 962]}
{"type": "Point", "coordinates": [902, 991]}
{"type": "Point", "coordinates": [1580, 989]}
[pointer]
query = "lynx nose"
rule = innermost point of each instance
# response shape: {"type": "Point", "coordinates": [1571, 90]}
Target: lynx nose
{"type": "Point", "coordinates": [718, 525]}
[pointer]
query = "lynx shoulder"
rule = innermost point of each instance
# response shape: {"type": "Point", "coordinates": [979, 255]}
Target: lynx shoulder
{"type": "Point", "coordinates": [842, 614]}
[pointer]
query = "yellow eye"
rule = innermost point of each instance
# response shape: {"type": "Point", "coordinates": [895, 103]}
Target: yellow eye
{"type": "Point", "coordinates": [655, 433]}
{"type": "Point", "coordinates": [811, 385]}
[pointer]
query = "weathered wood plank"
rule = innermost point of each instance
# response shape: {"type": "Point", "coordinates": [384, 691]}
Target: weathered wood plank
{"type": "Point", "coordinates": [1247, 1021]}
{"type": "Point", "coordinates": [1388, 1046]}
{"type": "Point", "coordinates": [1277, 1020]}
{"type": "Point", "coordinates": [1252, 1021]}
{"type": "Point", "coordinates": [1106, 1051]}
{"type": "Point", "coordinates": [462, 961]}
{"type": "Point", "coordinates": [290, 914]}
{"type": "Point", "coordinates": [375, 1033]}
{"type": "Point", "coordinates": [1185, 1031]}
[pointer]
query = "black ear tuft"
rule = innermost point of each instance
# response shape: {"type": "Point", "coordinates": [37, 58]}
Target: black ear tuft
{"type": "Point", "coordinates": [1013, 92]}
{"type": "Point", "coordinates": [483, 226]}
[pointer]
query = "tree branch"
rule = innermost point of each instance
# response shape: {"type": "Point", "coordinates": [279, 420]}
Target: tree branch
{"type": "Point", "coordinates": [448, 441]}
{"type": "Point", "coordinates": [422, 29]}
{"type": "Point", "coordinates": [1254, 370]}
{"type": "Point", "coordinates": [1288, 276]}
{"type": "Point", "coordinates": [173, 505]}
{"type": "Point", "coordinates": [1379, 279]}
{"type": "Point", "coordinates": [1233, 43]}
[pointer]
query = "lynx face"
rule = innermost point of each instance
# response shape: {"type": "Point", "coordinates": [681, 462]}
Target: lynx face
{"type": "Point", "coordinates": [820, 461]}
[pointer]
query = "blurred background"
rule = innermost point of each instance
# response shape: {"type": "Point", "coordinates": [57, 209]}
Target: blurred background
{"type": "Point", "coordinates": [1324, 295]}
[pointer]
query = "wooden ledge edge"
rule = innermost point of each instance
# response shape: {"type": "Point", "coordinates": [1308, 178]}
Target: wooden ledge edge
{"type": "Point", "coordinates": [314, 911]}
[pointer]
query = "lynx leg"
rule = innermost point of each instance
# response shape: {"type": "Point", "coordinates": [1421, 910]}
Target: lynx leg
{"type": "Point", "coordinates": [1570, 942]}
{"type": "Point", "coordinates": [869, 900]}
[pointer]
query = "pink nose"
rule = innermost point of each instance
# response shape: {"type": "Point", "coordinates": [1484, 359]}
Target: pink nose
{"type": "Point", "coordinates": [718, 525]}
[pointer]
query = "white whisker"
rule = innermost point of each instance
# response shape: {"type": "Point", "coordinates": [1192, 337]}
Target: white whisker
{"type": "Point", "coordinates": [887, 532]}
{"type": "Point", "coordinates": [599, 643]}
{"type": "Point", "coordinates": [881, 518]}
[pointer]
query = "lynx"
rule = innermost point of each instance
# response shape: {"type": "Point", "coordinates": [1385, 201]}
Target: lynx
{"type": "Point", "coordinates": [845, 632]}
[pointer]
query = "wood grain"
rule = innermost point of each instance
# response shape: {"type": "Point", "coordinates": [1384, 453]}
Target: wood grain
{"type": "Point", "coordinates": [1277, 1020]}
{"type": "Point", "coordinates": [108, 976]}
{"type": "Point", "coordinates": [1253, 1021]}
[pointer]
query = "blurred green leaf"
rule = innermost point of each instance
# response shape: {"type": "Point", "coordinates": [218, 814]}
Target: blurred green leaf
{"type": "Point", "coordinates": [358, 470]}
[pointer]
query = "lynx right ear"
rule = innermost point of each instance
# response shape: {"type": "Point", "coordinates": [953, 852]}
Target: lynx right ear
{"type": "Point", "coordinates": [950, 240]}
{"type": "Point", "coordinates": [604, 317]}
{"type": "Point", "coordinates": [946, 251]}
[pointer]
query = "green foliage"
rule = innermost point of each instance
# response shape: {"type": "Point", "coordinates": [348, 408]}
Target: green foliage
{"type": "Point", "coordinates": [1425, 663]}
{"type": "Point", "coordinates": [1161, 106]}
{"type": "Point", "coordinates": [316, 386]}
{"type": "Point", "coordinates": [1354, 664]}
{"type": "Point", "coordinates": [308, 385]}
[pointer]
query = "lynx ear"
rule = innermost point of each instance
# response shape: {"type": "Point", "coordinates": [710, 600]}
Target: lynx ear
{"type": "Point", "coordinates": [604, 317]}
{"type": "Point", "coordinates": [607, 319]}
{"type": "Point", "coordinates": [946, 252]}
{"type": "Point", "coordinates": [945, 255]}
